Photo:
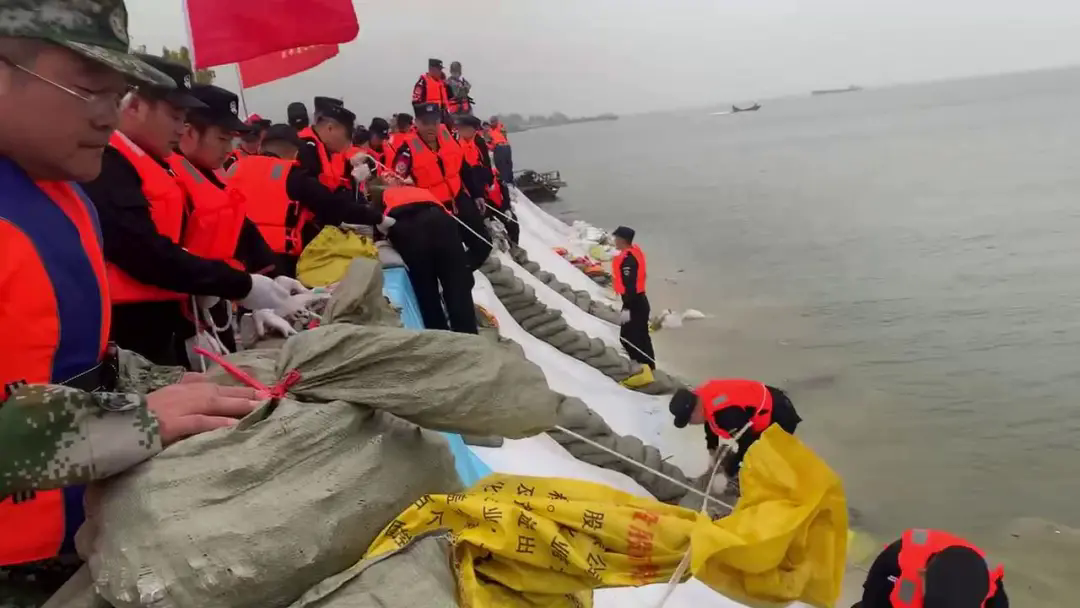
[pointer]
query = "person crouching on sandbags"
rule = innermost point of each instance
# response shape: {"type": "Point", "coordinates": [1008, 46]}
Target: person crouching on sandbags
{"type": "Point", "coordinates": [425, 235]}
{"type": "Point", "coordinates": [734, 408]}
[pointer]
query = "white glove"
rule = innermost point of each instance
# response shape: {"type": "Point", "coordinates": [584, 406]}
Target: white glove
{"type": "Point", "coordinates": [265, 293]}
{"type": "Point", "coordinates": [302, 301]}
{"type": "Point", "coordinates": [291, 285]}
{"type": "Point", "coordinates": [361, 172]}
{"type": "Point", "coordinates": [624, 317]}
{"type": "Point", "coordinates": [386, 224]}
{"type": "Point", "coordinates": [360, 158]}
{"type": "Point", "coordinates": [267, 319]}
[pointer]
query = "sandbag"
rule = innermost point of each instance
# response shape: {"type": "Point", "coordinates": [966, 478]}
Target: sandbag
{"type": "Point", "coordinates": [255, 515]}
{"type": "Point", "coordinates": [327, 257]}
{"type": "Point", "coordinates": [359, 298]}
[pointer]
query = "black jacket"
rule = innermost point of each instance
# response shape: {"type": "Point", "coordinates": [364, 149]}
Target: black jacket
{"type": "Point", "coordinates": [629, 269]}
{"type": "Point", "coordinates": [878, 586]}
{"type": "Point", "coordinates": [133, 243]}
{"type": "Point", "coordinates": [732, 419]}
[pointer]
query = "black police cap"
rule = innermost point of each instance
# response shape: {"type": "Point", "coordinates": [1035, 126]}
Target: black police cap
{"type": "Point", "coordinates": [323, 103]}
{"type": "Point", "coordinates": [340, 115]}
{"type": "Point", "coordinates": [222, 108]}
{"type": "Point", "coordinates": [297, 115]}
{"type": "Point", "coordinates": [180, 96]}
{"type": "Point", "coordinates": [283, 133]}
{"type": "Point", "coordinates": [469, 121]}
{"type": "Point", "coordinates": [425, 110]}
{"type": "Point", "coordinates": [434, 63]}
{"type": "Point", "coordinates": [379, 127]}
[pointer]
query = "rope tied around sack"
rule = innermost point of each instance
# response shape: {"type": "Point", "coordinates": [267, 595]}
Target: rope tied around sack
{"type": "Point", "coordinates": [276, 391]}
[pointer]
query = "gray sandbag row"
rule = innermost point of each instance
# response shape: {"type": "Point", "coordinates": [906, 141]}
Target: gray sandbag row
{"type": "Point", "coordinates": [548, 325]}
{"type": "Point", "coordinates": [580, 298]}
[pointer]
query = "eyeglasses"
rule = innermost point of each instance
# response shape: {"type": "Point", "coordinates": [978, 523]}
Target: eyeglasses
{"type": "Point", "coordinates": [98, 103]}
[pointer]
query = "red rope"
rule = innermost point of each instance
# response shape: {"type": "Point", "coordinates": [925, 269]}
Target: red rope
{"type": "Point", "coordinates": [267, 392]}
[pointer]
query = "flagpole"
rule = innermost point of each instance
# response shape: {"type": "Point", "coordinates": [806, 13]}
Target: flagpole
{"type": "Point", "coordinates": [240, 79]}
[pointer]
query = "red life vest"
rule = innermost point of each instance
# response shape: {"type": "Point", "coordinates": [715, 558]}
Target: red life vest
{"type": "Point", "coordinates": [496, 136]}
{"type": "Point", "coordinates": [213, 229]}
{"type": "Point", "coordinates": [917, 546]}
{"type": "Point", "coordinates": [55, 322]}
{"type": "Point", "coordinates": [442, 179]}
{"type": "Point", "coordinates": [167, 202]}
{"type": "Point", "coordinates": [470, 151]}
{"type": "Point", "coordinates": [332, 164]}
{"type": "Point", "coordinates": [639, 284]}
{"type": "Point", "coordinates": [434, 91]}
{"type": "Point", "coordinates": [261, 181]}
{"type": "Point", "coordinates": [717, 395]}
{"type": "Point", "coordinates": [399, 196]}
{"type": "Point", "coordinates": [471, 154]}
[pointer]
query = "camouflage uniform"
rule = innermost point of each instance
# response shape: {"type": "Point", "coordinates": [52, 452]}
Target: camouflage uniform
{"type": "Point", "coordinates": [53, 436]}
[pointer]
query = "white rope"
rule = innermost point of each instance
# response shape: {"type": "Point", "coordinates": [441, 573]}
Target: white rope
{"type": "Point", "coordinates": [501, 214]}
{"type": "Point", "coordinates": [469, 228]}
{"type": "Point", "coordinates": [647, 468]}
{"type": "Point", "coordinates": [195, 313]}
{"type": "Point", "coordinates": [639, 350]}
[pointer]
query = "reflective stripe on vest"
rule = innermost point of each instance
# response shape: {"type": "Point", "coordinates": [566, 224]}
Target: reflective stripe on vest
{"type": "Point", "coordinates": [917, 546]}
{"type": "Point", "coordinates": [616, 272]}
{"type": "Point", "coordinates": [330, 174]}
{"type": "Point", "coordinates": [719, 394]}
{"type": "Point", "coordinates": [440, 173]}
{"type": "Point", "coordinates": [262, 181]}
{"type": "Point", "coordinates": [397, 197]}
{"type": "Point", "coordinates": [213, 229]}
{"type": "Point", "coordinates": [167, 203]}
{"type": "Point", "coordinates": [55, 327]}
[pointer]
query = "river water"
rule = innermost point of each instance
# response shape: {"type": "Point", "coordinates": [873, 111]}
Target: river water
{"type": "Point", "coordinates": [905, 261]}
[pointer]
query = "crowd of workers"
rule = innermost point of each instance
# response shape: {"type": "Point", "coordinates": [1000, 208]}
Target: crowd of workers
{"type": "Point", "coordinates": [126, 210]}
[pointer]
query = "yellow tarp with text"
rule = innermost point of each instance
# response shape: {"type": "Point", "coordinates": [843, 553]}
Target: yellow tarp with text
{"type": "Point", "coordinates": [326, 258]}
{"type": "Point", "coordinates": [535, 541]}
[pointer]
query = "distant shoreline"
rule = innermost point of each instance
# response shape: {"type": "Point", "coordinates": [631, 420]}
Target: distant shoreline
{"type": "Point", "coordinates": [512, 128]}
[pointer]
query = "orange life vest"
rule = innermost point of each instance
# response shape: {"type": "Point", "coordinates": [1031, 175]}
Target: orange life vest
{"type": "Point", "coordinates": [261, 181]}
{"type": "Point", "coordinates": [400, 196]}
{"type": "Point", "coordinates": [167, 203]}
{"type": "Point", "coordinates": [917, 546]}
{"type": "Point", "coordinates": [332, 164]}
{"type": "Point", "coordinates": [55, 323]}
{"type": "Point", "coordinates": [719, 394]}
{"type": "Point", "coordinates": [435, 91]}
{"type": "Point", "coordinates": [443, 181]}
{"type": "Point", "coordinates": [635, 251]}
{"type": "Point", "coordinates": [213, 229]}
{"type": "Point", "coordinates": [496, 136]}
{"type": "Point", "coordinates": [471, 153]}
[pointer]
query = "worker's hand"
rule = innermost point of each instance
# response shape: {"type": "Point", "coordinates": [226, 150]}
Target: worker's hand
{"type": "Point", "coordinates": [481, 205]}
{"type": "Point", "coordinates": [386, 224]}
{"type": "Point", "coordinates": [624, 317]}
{"type": "Point", "coordinates": [183, 410]}
{"type": "Point", "coordinates": [266, 320]}
{"type": "Point", "coordinates": [291, 285]}
{"type": "Point", "coordinates": [265, 293]}
{"type": "Point", "coordinates": [361, 172]}
{"type": "Point", "coordinates": [194, 378]}
{"type": "Point", "coordinates": [360, 158]}
{"type": "Point", "coordinates": [299, 302]}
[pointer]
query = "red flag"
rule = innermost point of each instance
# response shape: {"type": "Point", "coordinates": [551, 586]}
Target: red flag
{"type": "Point", "coordinates": [275, 66]}
{"type": "Point", "coordinates": [231, 31]}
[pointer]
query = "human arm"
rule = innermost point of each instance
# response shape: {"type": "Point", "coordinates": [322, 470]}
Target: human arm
{"type": "Point", "coordinates": [132, 242]}
{"type": "Point", "coordinates": [254, 252]}
{"type": "Point", "coordinates": [330, 208]}
{"type": "Point", "coordinates": [880, 579]}
{"type": "Point", "coordinates": [308, 158]}
{"type": "Point", "coordinates": [1000, 599]}
{"type": "Point", "coordinates": [470, 178]}
{"type": "Point", "coordinates": [419, 92]}
{"type": "Point", "coordinates": [53, 436]}
{"type": "Point", "coordinates": [138, 375]}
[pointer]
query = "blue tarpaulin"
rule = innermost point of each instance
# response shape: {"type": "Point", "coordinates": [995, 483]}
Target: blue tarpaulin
{"type": "Point", "coordinates": [397, 287]}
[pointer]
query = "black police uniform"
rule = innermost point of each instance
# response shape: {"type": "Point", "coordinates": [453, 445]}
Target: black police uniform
{"type": "Point", "coordinates": [485, 174]}
{"type": "Point", "coordinates": [308, 155]}
{"type": "Point", "coordinates": [465, 206]}
{"type": "Point", "coordinates": [132, 242]}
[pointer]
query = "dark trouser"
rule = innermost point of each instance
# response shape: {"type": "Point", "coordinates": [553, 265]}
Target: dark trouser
{"type": "Point", "coordinates": [428, 241]}
{"type": "Point", "coordinates": [155, 330]}
{"type": "Point", "coordinates": [478, 248]}
{"type": "Point", "coordinates": [287, 265]}
{"type": "Point", "coordinates": [513, 229]}
{"type": "Point", "coordinates": [504, 161]}
{"type": "Point", "coordinates": [636, 332]}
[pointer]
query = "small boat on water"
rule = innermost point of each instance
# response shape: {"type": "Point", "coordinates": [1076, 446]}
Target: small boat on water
{"type": "Point", "coordinates": [753, 108]}
{"type": "Point", "coordinates": [850, 89]}
{"type": "Point", "coordinates": [539, 186]}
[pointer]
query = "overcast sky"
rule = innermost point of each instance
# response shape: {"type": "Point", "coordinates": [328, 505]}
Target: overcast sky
{"type": "Point", "coordinates": [592, 56]}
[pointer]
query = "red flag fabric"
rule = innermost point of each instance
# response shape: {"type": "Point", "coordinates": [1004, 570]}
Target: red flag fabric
{"type": "Point", "coordinates": [275, 66]}
{"type": "Point", "coordinates": [231, 31]}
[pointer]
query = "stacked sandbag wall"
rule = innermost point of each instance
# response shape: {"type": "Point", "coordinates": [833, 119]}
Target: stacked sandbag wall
{"type": "Point", "coordinates": [578, 298]}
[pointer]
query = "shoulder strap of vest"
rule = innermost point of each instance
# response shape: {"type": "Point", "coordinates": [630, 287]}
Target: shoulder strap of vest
{"type": "Point", "coordinates": [190, 169]}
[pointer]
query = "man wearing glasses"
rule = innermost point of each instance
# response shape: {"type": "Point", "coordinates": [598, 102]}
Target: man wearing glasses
{"type": "Point", "coordinates": [64, 421]}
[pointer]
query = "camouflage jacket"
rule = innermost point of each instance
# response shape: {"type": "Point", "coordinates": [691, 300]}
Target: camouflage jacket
{"type": "Point", "coordinates": [53, 436]}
